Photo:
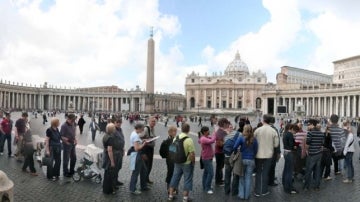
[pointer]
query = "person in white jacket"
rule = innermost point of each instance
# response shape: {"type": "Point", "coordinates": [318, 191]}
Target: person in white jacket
{"type": "Point", "coordinates": [349, 150]}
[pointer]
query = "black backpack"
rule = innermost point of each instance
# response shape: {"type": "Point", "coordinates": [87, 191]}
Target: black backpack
{"type": "Point", "coordinates": [177, 150]}
{"type": "Point", "coordinates": [164, 148]}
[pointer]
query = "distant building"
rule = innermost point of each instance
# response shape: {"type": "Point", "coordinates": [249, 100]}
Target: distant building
{"type": "Point", "coordinates": [235, 90]}
{"type": "Point", "coordinates": [293, 75]}
{"type": "Point", "coordinates": [347, 71]}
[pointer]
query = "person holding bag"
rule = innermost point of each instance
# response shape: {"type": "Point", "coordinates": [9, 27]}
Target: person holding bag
{"type": "Point", "coordinates": [248, 146]}
{"type": "Point", "coordinates": [349, 150]}
{"type": "Point", "coordinates": [207, 155]}
{"type": "Point", "coordinates": [53, 149]}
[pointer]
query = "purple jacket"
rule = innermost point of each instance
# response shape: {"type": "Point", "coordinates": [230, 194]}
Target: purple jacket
{"type": "Point", "coordinates": [207, 151]}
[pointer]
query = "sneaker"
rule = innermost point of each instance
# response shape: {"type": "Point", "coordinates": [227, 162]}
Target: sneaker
{"type": "Point", "coordinates": [119, 183]}
{"type": "Point", "coordinates": [1, 153]}
{"type": "Point", "coordinates": [337, 173]}
{"type": "Point", "coordinates": [267, 193]}
{"type": "Point", "coordinates": [294, 192]}
{"type": "Point", "coordinates": [210, 192]}
{"type": "Point", "coordinates": [327, 178]}
{"type": "Point", "coordinates": [170, 198]}
{"type": "Point", "coordinates": [257, 195]}
{"type": "Point", "coordinates": [136, 192]}
{"type": "Point", "coordinates": [150, 182]}
{"type": "Point", "coordinates": [347, 181]}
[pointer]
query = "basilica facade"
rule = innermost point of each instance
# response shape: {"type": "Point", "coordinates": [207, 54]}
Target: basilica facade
{"type": "Point", "coordinates": [296, 91]}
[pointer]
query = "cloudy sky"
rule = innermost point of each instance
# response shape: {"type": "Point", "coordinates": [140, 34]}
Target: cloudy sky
{"type": "Point", "coordinates": [86, 43]}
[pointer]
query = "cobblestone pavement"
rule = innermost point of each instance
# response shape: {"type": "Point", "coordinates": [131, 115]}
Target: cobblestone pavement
{"type": "Point", "coordinates": [28, 188]}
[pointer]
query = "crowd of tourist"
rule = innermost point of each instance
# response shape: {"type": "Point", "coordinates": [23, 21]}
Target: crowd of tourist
{"type": "Point", "coordinates": [244, 153]}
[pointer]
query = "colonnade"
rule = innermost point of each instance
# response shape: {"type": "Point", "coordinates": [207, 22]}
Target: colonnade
{"type": "Point", "coordinates": [32, 98]}
{"type": "Point", "coordinates": [343, 105]}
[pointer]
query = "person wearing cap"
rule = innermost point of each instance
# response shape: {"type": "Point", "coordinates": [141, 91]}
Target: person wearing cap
{"type": "Point", "coordinates": [20, 129]}
{"type": "Point", "coordinates": [68, 132]}
{"type": "Point", "coordinates": [5, 129]}
{"type": "Point", "coordinates": [314, 144]}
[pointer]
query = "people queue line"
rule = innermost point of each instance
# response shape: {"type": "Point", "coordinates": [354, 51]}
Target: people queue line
{"type": "Point", "coordinates": [309, 153]}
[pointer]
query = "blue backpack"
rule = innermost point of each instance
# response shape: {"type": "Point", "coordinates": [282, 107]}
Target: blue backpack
{"type": "Point", "coordinates": [229, 144]}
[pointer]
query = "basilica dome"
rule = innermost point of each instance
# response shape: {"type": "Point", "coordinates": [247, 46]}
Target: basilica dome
{"type": "Point", "coordinates": [237, 66]}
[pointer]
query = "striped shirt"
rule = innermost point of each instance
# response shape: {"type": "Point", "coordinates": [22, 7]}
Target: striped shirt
{"type": "Point", "coordinates": [315, 140]}
{"type": "Point", "coordinates": [338, 137]}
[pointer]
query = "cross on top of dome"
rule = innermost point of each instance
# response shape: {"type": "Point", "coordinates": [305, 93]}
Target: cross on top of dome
{"type": "Point", "coordinates": [237, 66]}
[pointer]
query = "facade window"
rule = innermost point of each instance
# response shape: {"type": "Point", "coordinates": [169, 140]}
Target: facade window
{"type": "Point", "coordinates": [192, 80]}
{"type": "Point", "coordinates": [258, 80]}
{"type": "Point", "coordinates": [124, 100]}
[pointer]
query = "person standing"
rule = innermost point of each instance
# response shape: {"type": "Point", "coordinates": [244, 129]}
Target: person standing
{"type": "Point", "coordinates": [275, 158]}
{"type": "Point", "coordinates": [109, 163]}
{"type": "Point", "coordinates": [28, 153]}
{"type": "Point", "coordinates": [118, 149]}
{"type": "Point", "coordinates": [139, 167]}
{"type": "Point", "coordinates": [207, 155]}
{"type": "Point", "coordinates": [53, 149]}
{"type": "Point", "coordinates": [44, 118]}
{"type": "Point", "coordinates": [200, 122]}
{"type": "Point", "coordinates": [267, 139]}
{"type": "Point", "coordinates": [186, 169]}
{"type": "Point", "coordinates": [93, 128]}
{"type": "Point", "coordinates": [248, 147]}
{"type": "Point", "coordinates": [349, 150]}
{"type": "Point", "coordinates": [220, 134]}
{"type": "Point", "coordinates": [68, 137]}
{"type": "Point", "coordinates": [314, 143]}
{"type": "Point", "coordinates": [81, 123]}
{"type": "Point", "coordinates": [148, 150]}
{"type": "Point", "coordinates": [289, 156]}
{"type": "Point", "coordinates": [20, 129]}
{"type": "Point", "coordinates": [5, 133]}
{"type": "Point", "coordinates": [338, 140]}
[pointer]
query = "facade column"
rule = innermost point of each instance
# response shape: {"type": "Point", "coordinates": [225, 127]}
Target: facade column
{"type": "Point", "coordinates": [353, 107]}
{"type": "Point", "coordinates": [342, 106]}
{"type": "Point", "coordinates": [331, 106]}
{"type": "Point", "coordinates": [348, 100]}
{"type": "Point", "coordinates": [325, 106]}
{"type": "Point", "coordinates": [319, 106]}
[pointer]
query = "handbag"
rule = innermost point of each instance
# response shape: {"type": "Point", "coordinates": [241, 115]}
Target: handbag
{"type": "Point", "coordinates": [46, 161]}
{"type": "Point", "coordinates": [201, 163]}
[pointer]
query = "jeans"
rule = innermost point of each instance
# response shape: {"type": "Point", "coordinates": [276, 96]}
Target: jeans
{"type": "Point", "coordinates": [349, 165]}
{"type": "Point", "coordinates": [336, 161]}
{"type": "Point", "coordinates": [313, 164]}
{"type": "Point", "coordinates": [272, 169]}
{"type": "Point", "coordinates": [208, 174]}
{"type": "Point", "coordinates": [288, 172]}
{"type": "Point", "coordinates": [325, 164]}
{"type": "Point", "coordinates": [179, 170]}
{"type": "Point", "coordinates": [170, 171]}
{"type": "Point", "coordinates": [220, 158]}
{"type": "Point", "coordinates": [262, 175]}
{"type": "Point", "coordinates": [140, 168]}
{"type": "Point", "coordinates": [69, 153]}
{"type": "Point", "coordinates": [228, 174]}
{"type": "Point", "coordinates": [3, 138]}
{"type": "Point", "coordinates": [246, 180]}
{"type": "Point", "coordinates": [118, 157]}
{"type": "Point", "coordinates": [55, 153]}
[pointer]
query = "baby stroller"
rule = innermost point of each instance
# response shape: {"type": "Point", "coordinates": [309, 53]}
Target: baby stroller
{"type": "Point", "coordinates": [87, 170]}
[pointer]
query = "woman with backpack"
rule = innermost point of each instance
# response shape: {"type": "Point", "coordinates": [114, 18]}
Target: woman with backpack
{"type": "Point", "coordinates": [248, 148]}
{"type": "Point", "coordinates": [207, 154]}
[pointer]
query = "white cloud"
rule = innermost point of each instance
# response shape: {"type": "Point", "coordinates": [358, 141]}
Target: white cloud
{"type": "Point", "coordinates": [262, 49]}
{"type": "Point", "coordinates": [80, 43]}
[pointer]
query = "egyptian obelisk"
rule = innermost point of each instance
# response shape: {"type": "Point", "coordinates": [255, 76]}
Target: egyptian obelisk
{"type": "Point", "coordinates": [150, 71]}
